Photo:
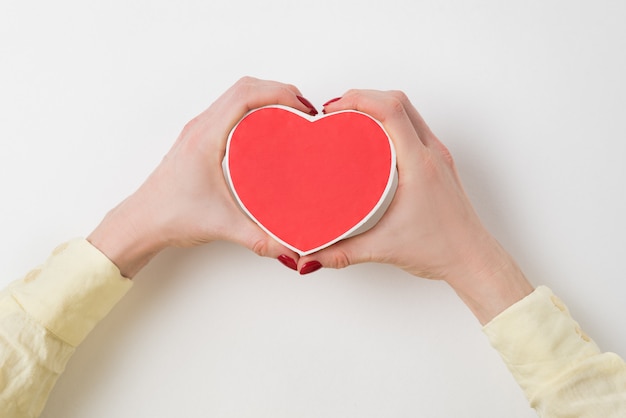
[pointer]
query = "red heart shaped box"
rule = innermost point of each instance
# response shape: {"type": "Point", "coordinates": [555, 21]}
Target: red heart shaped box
{"type": "Point", "coordinates": [310, 181]}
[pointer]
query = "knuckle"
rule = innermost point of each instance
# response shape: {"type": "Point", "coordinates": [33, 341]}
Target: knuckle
{"type": "Point", "coordinates": [246, 80]}
{"type": "Point", "coordinates": [291, 87]}
{"type": "Point", "coordinates": [284, 93]}
{"type": "Point", "coordinates": [446, 154]}
{"type": "Point", "coordinates": [354, 95]}
{"type": "Point", "coordinates": [399, 95]}
{"type": "Point", "coordinates": [341, 260]}
{"type": "Point", "coordinates": [356, 99]}
{"type": "Point", "coordinates": [244, 84]}
{"type": "Point", "coordinates": [260, 247]}
{"type": "Point", "coordinates": [189, 127]}
{"type": "Point", "coordinates": [395, 106]}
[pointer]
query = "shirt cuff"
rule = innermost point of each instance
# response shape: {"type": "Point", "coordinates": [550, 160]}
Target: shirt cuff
{"type": "Point", "coordinates": [72, 291]}
{"type": "Point", "coordinates": [538, 339]}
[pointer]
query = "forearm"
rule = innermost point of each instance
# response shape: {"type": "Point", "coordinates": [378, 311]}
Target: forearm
{"type": "Point", "coordinates": [489, 280]}
{"type": "Point", "coordinates": [491, 294]}
{"type": "Point", "coordinates": [125, 237]}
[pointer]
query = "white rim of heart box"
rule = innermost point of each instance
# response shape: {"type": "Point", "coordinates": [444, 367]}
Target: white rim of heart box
{"type": "Point", "coordinates": [364, 224]}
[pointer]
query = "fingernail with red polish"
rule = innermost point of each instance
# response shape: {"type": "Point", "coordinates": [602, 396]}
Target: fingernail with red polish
{"type": "Point", "coordinates": [310, 267]}
{"type": "Point", "coordinates": [308, 104]}
{"type": "Point", "coordinates": [288, 261]}
{"type": "Point", "coordinates": [332, 101]}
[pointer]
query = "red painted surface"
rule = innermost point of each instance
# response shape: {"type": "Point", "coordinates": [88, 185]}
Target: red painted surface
{"type": "Point", "coordinates": [308, 182]}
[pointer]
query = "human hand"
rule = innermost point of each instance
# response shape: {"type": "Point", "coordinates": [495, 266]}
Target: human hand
{"type": "Point", "coordinates": [185, 201]}
{"type": "Point", "coordinates": [431, 229]}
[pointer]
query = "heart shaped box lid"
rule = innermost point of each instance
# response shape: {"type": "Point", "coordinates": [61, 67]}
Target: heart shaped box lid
{"type": "Point", "coordinates": [310, 181]}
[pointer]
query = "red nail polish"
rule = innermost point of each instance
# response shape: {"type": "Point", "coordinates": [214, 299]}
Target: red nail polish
{"type": "Point", "coordinates": [310, 267]}
{"type": "Point", "coordinates": [308, 104]}
{"type": "Point", "coordinates": [332, 101]}
{"type": "Point", "coordinates": [288, 261]}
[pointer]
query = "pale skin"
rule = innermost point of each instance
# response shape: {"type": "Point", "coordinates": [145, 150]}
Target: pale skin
{"type": "Point", "coordinates": [430, 230]}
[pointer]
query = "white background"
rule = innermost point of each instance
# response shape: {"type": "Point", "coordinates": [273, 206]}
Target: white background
{"type": "Point", "coordinates": [529, 96]}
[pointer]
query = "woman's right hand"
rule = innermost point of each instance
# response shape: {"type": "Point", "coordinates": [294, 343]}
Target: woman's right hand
{"type": "Point", "coordinates": [185, 201]}
{"type": "Point", "coordinates": [431, 229]}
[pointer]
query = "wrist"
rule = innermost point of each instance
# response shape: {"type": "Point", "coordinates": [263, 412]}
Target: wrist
{"type": "Point", "coordinates": [490, 284]}
{"type": "Point", "coordinates": [125, 238]}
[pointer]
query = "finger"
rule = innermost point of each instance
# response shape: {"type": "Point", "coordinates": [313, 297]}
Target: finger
{"type": "Point", "coordinates": [250, 93]}
{"type": "Point", "coordinates": [398, 99]}
{"type": "Point", "coordinates": [390, 111]}
{"type": "Point", "coordinates": [429, 139]}
{"type": "Point", "coordinates": [246, 233]}
{"type": "Point", "coordinates": [416, 119]}
{"type": "Point", "coordinates": [423, 130]}
{"type": "Point", "coordinates": [339, 255]}
{"type": "Point", "coordinates": [247, 94]}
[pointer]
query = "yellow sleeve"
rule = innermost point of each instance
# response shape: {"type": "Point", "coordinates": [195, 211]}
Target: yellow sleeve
{"type": "Point", "coordinates": [44, 316]}
{"type": "Point", "coordinates": [561, 370]}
